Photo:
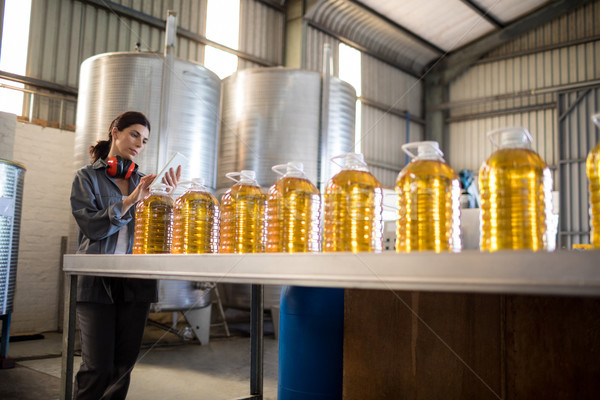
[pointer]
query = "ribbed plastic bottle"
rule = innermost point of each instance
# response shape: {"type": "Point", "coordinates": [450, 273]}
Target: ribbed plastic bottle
{"type": "Point", "coordinates": [353, 208]}
{"type": "Point", "coordinates": [515, 186]}
{"type": "Point", "coordinates": [196, 221]}
{"type": "Point", "coordinates": [593, 173]}
{"type": "Point", "coordinates": [154, 222]}
{"type": "Point", "coordinates": [293, 212]}
{"type": "Point", "coordinates": [242, 215]}
{"type": "Point", "coordinates": [428, 201]}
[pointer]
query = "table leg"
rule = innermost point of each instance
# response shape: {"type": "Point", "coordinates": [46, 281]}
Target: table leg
{"type": "Point", "coordinates": [68, 344]}
{"type": "Point", "coordinates": [257, 342]}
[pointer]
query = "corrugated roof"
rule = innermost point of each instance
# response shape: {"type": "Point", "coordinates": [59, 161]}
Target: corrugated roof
{"type": "Point", "coordinates": [414, 33]}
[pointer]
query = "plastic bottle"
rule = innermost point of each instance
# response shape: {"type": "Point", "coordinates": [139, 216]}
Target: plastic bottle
{"type": "Point", "coordinates": [196, 221]}
{"type": "Point", "coordinates": [428, 202]}
{"type": "Point", "coordinates": [353, 207]}
{"type": "Point", "coordinates": [593, 173]}
{"type": "Point", "coordinates": [242, 215]}
{"type": "Point", "coordinates": [516, 202]}
{"type": "Point", "coordinates": [154, 222]}
{"type": "Point", "coordinates": [293, 212]}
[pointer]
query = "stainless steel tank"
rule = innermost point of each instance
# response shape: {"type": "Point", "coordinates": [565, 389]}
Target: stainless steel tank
{"type": "Point", "coordinates": [115, 82]}
{"type": "Point", "coordinates": [12, 176]}
{"type": "Point", "coordinates": [271, 116]}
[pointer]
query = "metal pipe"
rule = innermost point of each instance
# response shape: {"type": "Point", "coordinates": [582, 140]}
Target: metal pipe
{"type": "Point", "coordinates": [169, 62]}
{"type": "Point", "coordinates": [523, 93]}
{"type": "Point", "coordinates": [257, 341]}
{"type": "Point", "coordinates": [68, 342]}
{"type": "Point", "coordinates": [323, 148]}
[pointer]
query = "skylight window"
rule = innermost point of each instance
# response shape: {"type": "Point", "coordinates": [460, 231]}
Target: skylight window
{"type": "Point", "coordinates": [13, 53]}
{"type": "Point", "coordinates": [223, 27]}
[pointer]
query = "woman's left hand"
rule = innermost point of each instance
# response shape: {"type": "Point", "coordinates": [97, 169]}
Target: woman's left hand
{"type": "Point", "coordinates": [172, 176]}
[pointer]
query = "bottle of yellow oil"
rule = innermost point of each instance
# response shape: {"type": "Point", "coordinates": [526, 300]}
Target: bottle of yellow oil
{"type": "Point", "coordinates": [428, 201]}
{"type": "Point", "coordinates": [154, 222]}
{"type": "Point", "coordinates": [242, 215]}
{"type": "Point", "coordinates": [353, 207]}
{"type": "Point", "coordinates": [196, 221]}
{"type": "Point", "coordinates": [593, 173]}
{"type": "Point", "coordinates": [293, 212]}
{"type": "Point", "coordinates": [515, 186]}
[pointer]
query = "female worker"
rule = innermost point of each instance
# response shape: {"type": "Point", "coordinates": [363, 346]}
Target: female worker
{"type": "Point", "coordinates": [112, 312]}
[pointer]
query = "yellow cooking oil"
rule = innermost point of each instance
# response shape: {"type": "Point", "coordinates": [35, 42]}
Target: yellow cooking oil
{"type": "Point", "coordinates": [593, 173]}
{"type": "Point", "coordinates": [242, 215]}
{"type": "Point", "coordinates": [154, 222]}
{"type": "Point", "coordinates": [515, 186]}
{"type": "Point", "coordinates": [293, 212]}
{"type": "Point", "coordinates": [428, 202]}
{"type": "Point", "coordinates": [353, 208]}
{"type": "Point", "coordinates": [196, 221]}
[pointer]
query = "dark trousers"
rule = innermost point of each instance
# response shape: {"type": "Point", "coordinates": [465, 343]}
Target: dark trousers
{"type": "Point", "coordinates": [111, 336]}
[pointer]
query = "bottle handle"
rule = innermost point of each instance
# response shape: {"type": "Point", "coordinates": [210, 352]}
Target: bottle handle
{"type": "Point", "coordinates": [334, 158]}
{"type": "Point", "coordinates": [407, 146]}
{"type": "Point", "coordinates": [496, 133]}
{"type": "Point", "coordinates": [233, 176]}
{"type": "Point", "coordinates": [280, 169]}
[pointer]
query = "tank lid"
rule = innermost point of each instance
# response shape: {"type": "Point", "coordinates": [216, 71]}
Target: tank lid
{"type": "Point", "coordinates": [293, 169]}
{"type": "Point", "coordinates": [351, 161]}
{"type": "Point", "coordinates": [426, 150]}
{"type": "Point", "coordinates": [13, 163]}
{"type": "Point", "coordinates": [511, 137]}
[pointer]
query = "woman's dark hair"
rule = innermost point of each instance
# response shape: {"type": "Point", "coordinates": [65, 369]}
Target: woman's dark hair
{"type": "Point", "coordinates": [123, 121]}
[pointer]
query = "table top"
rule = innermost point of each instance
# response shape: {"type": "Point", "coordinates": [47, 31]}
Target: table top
{"type": "Point", "coordinates": [573, 273]}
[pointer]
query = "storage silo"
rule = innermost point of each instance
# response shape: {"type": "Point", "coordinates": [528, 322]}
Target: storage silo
{"type": "Point", "coordinates": [184, 119]}
{"type": "Point", "coordinates": [274, 115]}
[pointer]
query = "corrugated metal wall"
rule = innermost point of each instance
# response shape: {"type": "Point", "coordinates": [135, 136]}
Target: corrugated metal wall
{"type": "Point", "coordinates": [262, 33]}
{"type": "Point", "coordinates": [520, 84]}
{"type": "Point", "coordinates": [383, 132]}
{"type": "Point", "coordinates": [388, 94]}
{"type": "Point", "coordinates": [66, 32]}
{"type": "Point", "coordinates": [576, 137]}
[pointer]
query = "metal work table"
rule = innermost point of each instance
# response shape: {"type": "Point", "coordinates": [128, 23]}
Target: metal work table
{"type": "Point", "coordinates": [569, 273]}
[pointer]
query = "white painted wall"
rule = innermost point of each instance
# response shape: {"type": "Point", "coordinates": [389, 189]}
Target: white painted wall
{"type": "Point", "coordinates": [47, 154]}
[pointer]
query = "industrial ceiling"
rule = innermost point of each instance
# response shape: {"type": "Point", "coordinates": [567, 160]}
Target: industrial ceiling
{"type": "Point", "coordinates": [418, 35]}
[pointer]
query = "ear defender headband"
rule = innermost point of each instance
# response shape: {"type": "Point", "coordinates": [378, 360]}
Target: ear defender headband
{"type": "Point", "coordinates": [119, 168]}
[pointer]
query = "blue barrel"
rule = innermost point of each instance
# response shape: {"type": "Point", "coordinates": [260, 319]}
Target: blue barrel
{"type": "Point", "coordinates": [311, 335]}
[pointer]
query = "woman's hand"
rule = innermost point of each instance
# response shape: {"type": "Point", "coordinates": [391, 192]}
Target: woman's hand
{"type": "Point", "coordinates": [172, 176]}
{"type": "Point", "coordinates": [141, 191]}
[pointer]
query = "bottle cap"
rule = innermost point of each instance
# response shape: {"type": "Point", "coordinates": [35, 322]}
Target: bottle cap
{"type": "Point", "coordinates": [353, 161]}
{"type": "Point", "coordinates": [511, 137]}
{"type": "Point", "coordinates": [426, 150]}
{"type": "Point", "coordinates": [294, 169]}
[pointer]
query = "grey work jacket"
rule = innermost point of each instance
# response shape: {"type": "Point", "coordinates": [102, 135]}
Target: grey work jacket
{"type": "Point", "coordinates": [97, 205]}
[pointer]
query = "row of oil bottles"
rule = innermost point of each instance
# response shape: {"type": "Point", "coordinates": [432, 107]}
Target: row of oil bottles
{"type": "Point", "coordinates": [515, 186]}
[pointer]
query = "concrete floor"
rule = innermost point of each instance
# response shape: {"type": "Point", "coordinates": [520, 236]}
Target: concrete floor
{"type": "Point", "coordinates": [168, 367]}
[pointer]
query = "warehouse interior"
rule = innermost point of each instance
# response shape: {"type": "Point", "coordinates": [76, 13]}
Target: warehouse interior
{"type": "Point", "coordinates": [443, 70]}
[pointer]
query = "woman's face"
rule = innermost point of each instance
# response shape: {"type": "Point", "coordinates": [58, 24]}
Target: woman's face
{"type": "Point", "coordinates": [129, 142]}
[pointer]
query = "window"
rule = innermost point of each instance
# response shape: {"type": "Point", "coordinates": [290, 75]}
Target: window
{"type": "Point", "coordinates": [350, 71]}
{"type": "Point", "coordinates": [13, 54]}
{"type": "Point", "coordinates": [223, 27]}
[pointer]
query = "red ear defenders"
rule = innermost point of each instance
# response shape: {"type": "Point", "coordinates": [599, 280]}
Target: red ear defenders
{"type": "Point", "coordinates": [119, 168]}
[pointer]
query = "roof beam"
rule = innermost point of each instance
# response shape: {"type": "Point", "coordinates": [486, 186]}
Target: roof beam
{"type": "Point", "coordinates": [419, 39]}
{"type": "Point", "coordinates": [484, 13]}
{"type": "Point", "coordinates": [459, 60]}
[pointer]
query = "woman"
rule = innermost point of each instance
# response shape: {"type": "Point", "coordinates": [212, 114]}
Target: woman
{"type": "Point", "coordinates": [112, 312]}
